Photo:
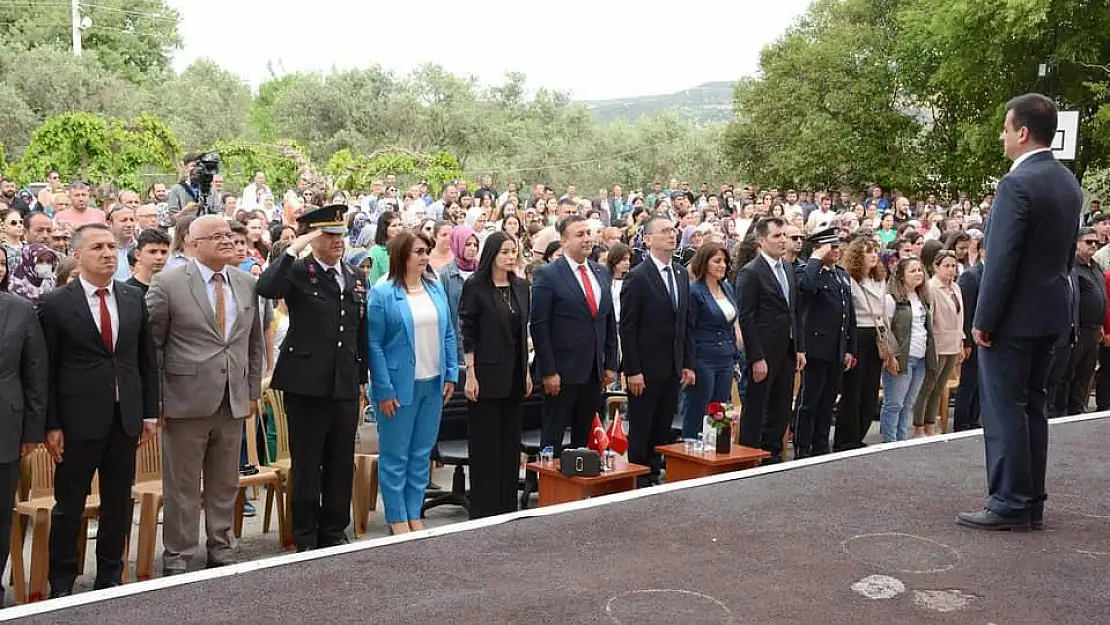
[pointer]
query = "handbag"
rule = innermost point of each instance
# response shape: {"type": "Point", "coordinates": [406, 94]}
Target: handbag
{"type": "Point", "coordinates": [580, 463]}
{"type": "Point", "coordinates": [884, 338]}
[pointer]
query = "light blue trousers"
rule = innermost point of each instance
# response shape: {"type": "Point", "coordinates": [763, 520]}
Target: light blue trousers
{"type": "Point", "coordinates": [405, 445]}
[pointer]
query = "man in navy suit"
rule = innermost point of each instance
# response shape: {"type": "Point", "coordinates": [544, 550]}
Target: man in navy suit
{"type": "Point", "coordinates": [1023, 309]}
{"type": "Point", "coordinates": [658, 347]}
{"type": "Point", "coordinates": [574, 333]}
{"type": "Point", "coordinates": [773, 344]}
{"type": "Point", "coordinates": [966, 412]}
{"type": "Point", "coordinates": [828, 321]}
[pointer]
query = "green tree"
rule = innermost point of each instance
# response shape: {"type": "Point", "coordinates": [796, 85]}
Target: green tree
{"type": "Point", "coordinates": [81, 146]}
{"type": "Point", "coordinates": [203, 104]}
{"type": "Point", "coordinates": [52, 81]}
{"type": "Point", "coordinates": [963, 59]}
{"type": "Point", "coordinates": [17, 120]}
{"type": "Point", "coordinates": [827, 108]}
{"type": "Point", "coordinates": [134, 39]}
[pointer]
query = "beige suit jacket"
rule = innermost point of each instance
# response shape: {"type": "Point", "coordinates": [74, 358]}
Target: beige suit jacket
{"type": "Point", "coordinates": [195, 361]}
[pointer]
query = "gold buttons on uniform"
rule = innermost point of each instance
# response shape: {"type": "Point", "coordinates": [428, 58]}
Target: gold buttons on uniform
{"type": "Point", "coordinates": [340, 328]}
{"type": "Point", "coordinates": [339, 344]}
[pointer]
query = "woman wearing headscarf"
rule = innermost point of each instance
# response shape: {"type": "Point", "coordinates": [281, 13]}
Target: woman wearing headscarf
{"type": "Point", "coordinates": [464, 246]}
{"type": "Point", "coordinates": [35, 274]}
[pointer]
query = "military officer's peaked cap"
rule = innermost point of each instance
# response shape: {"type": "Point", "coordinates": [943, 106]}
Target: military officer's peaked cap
{"type": "Point", "coordinates": [825, 236]}
{"type": "Point", "coordinates": [328, 218]}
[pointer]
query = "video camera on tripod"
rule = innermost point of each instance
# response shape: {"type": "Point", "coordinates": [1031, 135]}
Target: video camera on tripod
{"type": "Point", "coordinates": [205, 167]}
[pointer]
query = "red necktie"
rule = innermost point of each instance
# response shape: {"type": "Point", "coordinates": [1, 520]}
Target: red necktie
{"type": "Point", "coordinates": [105, 319]}
{"type": "Point", "coordinates": [590, 301]}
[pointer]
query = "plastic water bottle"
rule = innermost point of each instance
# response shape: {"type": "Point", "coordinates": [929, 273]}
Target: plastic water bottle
{"type": "Point", "coordinates": [547, 455]}
{"type": "Point", "coordinates": [688, 445]}
{"type": "Point", "coordinates": [699, 445]}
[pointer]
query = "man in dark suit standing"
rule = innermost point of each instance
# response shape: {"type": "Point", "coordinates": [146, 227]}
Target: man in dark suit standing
{"type": "Point", "coordinates": [574, 333]}
{"type": "Point", "coordinates": [321, 366]}
{"type": "Point", "coordinates": [103, 397]}
{"type": "Point", "coordinates": [1023, 309]}
{"type": "Point", "coordinates": [23, 385]}
{"type": "Point", "coordinates": [828, 321]}
{"type": "Point", "coordinates": [658, 344]}
{"type": "Point", "coordinates": [773, 345]}
{"type": "Point", "coordinates": [966, 411]}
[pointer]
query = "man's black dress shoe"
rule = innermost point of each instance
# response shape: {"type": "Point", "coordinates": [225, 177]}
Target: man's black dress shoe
{"type": "Point", "coordinates": [1036, 518]}
{"type": "Point", "coordinates": [986, 520]}
{"type": "Point", "coordinates": [215, 564]}
{"type": "Point", "coordinates": [101, 585]}
{"type": "Point", "coordinates": [58, 593]}
{"type": "Point", "coordinates": [172, 572]}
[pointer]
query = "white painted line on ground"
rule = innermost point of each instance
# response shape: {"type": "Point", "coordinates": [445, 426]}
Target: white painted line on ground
{"type": "Point", "coordinates": [160, 583]}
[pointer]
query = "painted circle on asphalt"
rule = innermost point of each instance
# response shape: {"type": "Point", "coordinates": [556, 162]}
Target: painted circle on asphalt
{"type": "Point", "coordinates": [667, 605]}
{"type": "Point", "coordinates": [901, 552]}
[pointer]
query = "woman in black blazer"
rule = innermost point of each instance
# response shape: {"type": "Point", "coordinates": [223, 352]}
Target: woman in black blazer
{"type": "Point", "coordinates": [493, 316]}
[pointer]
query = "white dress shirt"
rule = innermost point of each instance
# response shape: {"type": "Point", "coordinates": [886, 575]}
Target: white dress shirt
{"type": "Point", "coordinates": [578, 277]}
{"type": "Point", "coordinates": [338, 270]}
{"type": "Point", "coordinates": [1024, 157]}
{"type": "Point", "coordinates": [93, 300]}
{"type": "Point", "coordinates": [230, 311]}
{"type": "Point", "coordinates": [660, 266]}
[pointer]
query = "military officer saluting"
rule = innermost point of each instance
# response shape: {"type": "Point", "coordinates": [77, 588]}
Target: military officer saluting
{"type": "Point", "coordinates": [829, 322]}
{"type": "Point", "coordinates": [321, 369]}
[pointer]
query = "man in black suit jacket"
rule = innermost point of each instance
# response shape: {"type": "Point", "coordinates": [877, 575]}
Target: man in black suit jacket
{"type": "Point", "coordinates": [103, 396]}
{"type": "Point", "coordinates": [657, 343]}
{"type": "Point", "coordinates": [828, 321]}
{"type": "Point", "coordinates": [574, 333]}
{"type": "Point", "coordinates": [23, 387]}
{"type": "Point", "coordinates": [966, 411]}
{"type": "Point", "coordinates": [1023, 308]}
{"type": "Point", "coordinates": [773, 343]}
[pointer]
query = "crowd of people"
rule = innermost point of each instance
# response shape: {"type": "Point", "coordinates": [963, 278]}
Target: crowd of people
{"type": "Point", "coordinates": [166, 313]}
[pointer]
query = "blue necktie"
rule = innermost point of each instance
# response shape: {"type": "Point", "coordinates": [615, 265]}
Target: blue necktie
{"type": "Point", "coordinates": [780, 273]}
{"type": "Point", "coordinates": [671, 285]}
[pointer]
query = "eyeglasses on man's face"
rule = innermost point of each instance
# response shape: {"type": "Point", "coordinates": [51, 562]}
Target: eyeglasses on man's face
{"type": "Point", "coordinates": [216, 236]}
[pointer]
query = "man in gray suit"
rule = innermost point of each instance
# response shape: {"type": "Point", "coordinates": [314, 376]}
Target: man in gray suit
{"type": "Point", "coordinates": [23, 387]}
{"type": "Point", "coordinates": [208, 335]}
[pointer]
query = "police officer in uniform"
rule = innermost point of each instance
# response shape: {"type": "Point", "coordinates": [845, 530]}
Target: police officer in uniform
{"type": "Point", "coordinates": [829, 322]}
{"type": "Point", "coordinates": [322, 369]}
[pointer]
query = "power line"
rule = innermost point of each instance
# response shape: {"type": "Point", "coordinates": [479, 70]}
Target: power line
{"type": "Point", "coordinates": [141, 14]}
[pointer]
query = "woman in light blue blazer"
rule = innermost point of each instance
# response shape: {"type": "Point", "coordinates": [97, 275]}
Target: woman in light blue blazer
{"type": "Point", "coordinates": [413, 371]}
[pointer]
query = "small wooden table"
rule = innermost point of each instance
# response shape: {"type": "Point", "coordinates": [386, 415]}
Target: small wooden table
{"type": "Point", "coordinates": [687, 465]}
{"type": "Point", "coordinates": [557, 488]}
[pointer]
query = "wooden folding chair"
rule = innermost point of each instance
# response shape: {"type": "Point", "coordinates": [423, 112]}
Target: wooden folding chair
{"type": "Point", "coordinates": [268, 477]}
{"type": "Point", "coordinates": [37, 509]}
{"type": "Point", "coordinates": [147, 491]}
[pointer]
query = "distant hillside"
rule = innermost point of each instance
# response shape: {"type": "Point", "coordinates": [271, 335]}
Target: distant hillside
{"type": "Point", "coordinates": [709, 102]}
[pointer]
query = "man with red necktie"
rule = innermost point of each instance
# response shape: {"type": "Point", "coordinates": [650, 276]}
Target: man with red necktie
{"type": "Point", "coordinates": [574, 333]}
{"type": "Point", "coordinates": [103, 399]}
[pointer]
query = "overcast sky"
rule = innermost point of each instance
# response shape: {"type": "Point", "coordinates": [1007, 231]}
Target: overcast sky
{"type": "Point", "coordinates": [595, 49]}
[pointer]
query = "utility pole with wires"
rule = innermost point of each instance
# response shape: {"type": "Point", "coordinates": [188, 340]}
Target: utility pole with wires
{"type": "Point", "coordinates": [75, 25]}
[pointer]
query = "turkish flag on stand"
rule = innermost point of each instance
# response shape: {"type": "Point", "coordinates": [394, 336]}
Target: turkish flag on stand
{"type": "Point", "coordinates": [599, 440]}
{"type": "Point", "coordinates": [618, 440]}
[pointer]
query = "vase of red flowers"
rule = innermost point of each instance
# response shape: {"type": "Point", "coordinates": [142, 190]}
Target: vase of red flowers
{"type": "Point", "coordinates": [722, 418]}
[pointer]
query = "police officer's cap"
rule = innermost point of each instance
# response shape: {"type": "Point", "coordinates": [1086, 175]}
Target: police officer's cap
{"type": "Point", "coordinates": [328, 218]}
{"type": "Point", "coordinates": [825, 236]}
